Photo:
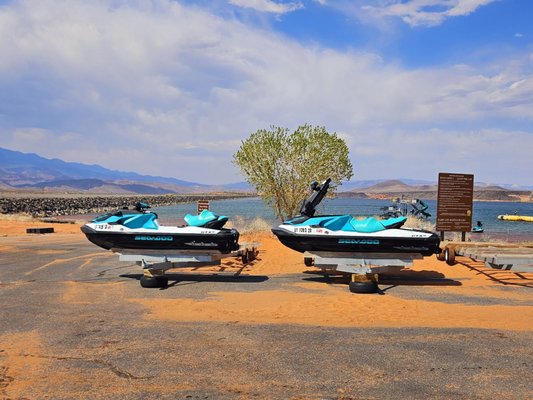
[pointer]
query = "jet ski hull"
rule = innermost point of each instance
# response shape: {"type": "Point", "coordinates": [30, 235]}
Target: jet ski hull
{"type": "Point", "coordinates": [225, 241]}
{"type": "Point", "coordinates": [358, 244]}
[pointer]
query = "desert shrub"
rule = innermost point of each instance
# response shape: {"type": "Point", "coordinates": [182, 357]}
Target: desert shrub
{"type": "Point", "coordinates": [418, 223]}
{"type": "Point", "coordinates": [257, 225]}
{"type": "Point", "coordinates": [281, 165]}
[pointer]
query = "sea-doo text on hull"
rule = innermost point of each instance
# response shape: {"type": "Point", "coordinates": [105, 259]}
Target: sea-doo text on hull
{"type": "Point", "coordinates": [344, 233]}
{"type": "Point", "coordinates": [139, 229]}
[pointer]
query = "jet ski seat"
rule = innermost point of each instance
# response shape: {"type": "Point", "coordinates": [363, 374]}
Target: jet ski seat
{"type": "Point", "coordinates": [132, 219]}
{"type": "Point", "coordinates": [206, 219]}
{"type": "Point", "coordinates": [371, 224]}
{"type": "Point", "coordinates": [394, 223]}
{"type": "Point", "coordinates": [368, 225]}
{"type": "Point", "coordinates": [336, 223]}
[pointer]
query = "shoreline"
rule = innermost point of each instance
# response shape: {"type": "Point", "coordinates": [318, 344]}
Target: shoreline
{"type": "Point", "coordinates": [74, 204]}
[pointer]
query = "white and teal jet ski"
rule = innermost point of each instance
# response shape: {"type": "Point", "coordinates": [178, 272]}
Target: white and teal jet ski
{"type": "Point", "coordinates": [138, 229]}
{"type": "Point", "coordinates": [344, 233]}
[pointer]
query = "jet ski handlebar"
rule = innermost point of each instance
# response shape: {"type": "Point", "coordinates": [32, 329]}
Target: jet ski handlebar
{"type": "Point", "coordinates": [319, 191]}
{"type": "Point", "coordinates": [141, 206]}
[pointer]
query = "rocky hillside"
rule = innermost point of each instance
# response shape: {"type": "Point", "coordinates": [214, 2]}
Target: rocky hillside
{"type": "Point", "coordinates": [396, 188]}
{"type": "Point", "coordinates": [46, 206]}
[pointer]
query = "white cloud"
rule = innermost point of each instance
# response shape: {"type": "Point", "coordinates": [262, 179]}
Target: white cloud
{"type": "Point", "coordinates": [267, 6]}
{"type": "Point", "coordinates": [492, 155]}
{"type": "Point", "coordinates": [425, 12]}
{"type": "Point", "coordinates": [170, 90]}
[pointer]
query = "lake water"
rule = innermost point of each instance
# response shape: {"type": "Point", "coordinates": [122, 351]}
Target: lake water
{"type": "Point", "coordinates": [247, 209]}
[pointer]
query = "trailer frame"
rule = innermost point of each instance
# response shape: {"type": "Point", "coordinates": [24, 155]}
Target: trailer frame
{"type": "Point", "coordinates": [363, 268]}
{"type": "Point", "coordinates": [156, 262]}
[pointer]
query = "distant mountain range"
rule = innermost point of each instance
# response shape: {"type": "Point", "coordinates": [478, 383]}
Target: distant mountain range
{"type": "Point", "coordinates": [31, 172]}
{"type": "Point", "coordinates": [28, 171]}
{"type": "Point", "coordinates": [403, 183]}
{"type": "Point", "coordinates": [398, 188]}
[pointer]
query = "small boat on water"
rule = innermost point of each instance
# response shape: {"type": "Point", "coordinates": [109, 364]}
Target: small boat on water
{"type": "Point", "coordinates": [478, 228]}
{"type": "Point", "coordinates": [524, 218]}
{"type": "Point", "coordinates": [403, 208]}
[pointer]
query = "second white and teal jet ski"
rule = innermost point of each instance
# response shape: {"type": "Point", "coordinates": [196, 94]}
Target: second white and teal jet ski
{"type": "Point", "coordinates": [344, 233]}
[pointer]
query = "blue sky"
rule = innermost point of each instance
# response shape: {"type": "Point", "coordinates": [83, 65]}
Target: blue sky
{"type": "Point", "coordinates": [493, 28]}
{"type": "Point", "coordinates": [415, 87]}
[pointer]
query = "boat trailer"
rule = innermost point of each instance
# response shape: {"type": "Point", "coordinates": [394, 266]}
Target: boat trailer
{"type": "Point", "coordinates": [156, 262]}
{"type": "Point", "coordinates": [505, 256]}
{"type": "Point", "coordinates": [363, 268]}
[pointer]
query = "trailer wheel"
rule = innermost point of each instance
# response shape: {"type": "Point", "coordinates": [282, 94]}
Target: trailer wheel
{"type": "Point", "coordinates": [440, 256]}
{"type": "Point", "coordinates": [153, 282]}
{"type": "Point", "coordinates": [244, 257]}
{"type": "Point", "coordinates": [449, 255]}
{"type": "Point", "coordinates": [308, 261]}
{"type": "Point", "coordinates": [363, 287]}
{"type": "Point", "coordinates": [251, 254]}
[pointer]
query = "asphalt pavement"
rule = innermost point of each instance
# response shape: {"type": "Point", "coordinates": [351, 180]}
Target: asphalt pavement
{"type": "Point", "coordinates": [68, 330]}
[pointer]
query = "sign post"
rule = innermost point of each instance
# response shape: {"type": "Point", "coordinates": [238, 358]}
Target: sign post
{"type": "Point", "coordinates": [454, 203]}
{"type": "Point", "coordinates": [202, 205]}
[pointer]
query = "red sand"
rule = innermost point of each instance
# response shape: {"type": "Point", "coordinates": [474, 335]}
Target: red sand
{"type": "Point", "coordinates": [333, 304]}
{"type": "Point", "coordinates": [12, 226]}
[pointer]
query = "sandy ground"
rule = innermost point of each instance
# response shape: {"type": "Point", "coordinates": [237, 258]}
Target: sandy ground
{"type": "Point", "coordinates": [17, 225]}
{"type": "Point", "coordinates": [338, 308]}
{"type": "Point", "coordinates": [299, 307]}
{"type": "Point", "coordinates": [277, 294]}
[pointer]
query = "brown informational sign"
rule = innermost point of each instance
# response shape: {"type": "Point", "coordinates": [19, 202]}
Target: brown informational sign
{"type": "Point", "coordinates": [454, 202]}
{"type": "Point", "coordinates": [202, 205]}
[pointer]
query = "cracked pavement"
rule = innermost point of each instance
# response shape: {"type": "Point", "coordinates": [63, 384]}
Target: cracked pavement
{"type": "Point", "coordinates": [69, 330]}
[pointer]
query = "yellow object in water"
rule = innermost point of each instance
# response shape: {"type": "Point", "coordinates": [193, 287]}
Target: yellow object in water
{"type": "Point", "coordinates": [526, 218]}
